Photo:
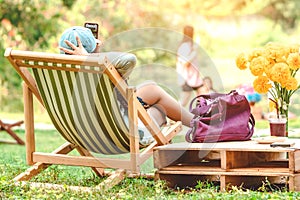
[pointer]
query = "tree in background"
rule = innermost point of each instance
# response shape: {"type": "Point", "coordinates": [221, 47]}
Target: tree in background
{"type": "Point", "coordinates": [37, 24]}
{"type": "Point", "coordinates": [26, 25]}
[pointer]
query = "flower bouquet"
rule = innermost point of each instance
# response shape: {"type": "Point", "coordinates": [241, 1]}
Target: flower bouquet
{"type": "Point", "coordinates": [275, 67]}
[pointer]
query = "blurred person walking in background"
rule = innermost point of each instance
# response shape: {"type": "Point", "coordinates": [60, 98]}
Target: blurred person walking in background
{"type": "Point", "coordinates": [187, 64]}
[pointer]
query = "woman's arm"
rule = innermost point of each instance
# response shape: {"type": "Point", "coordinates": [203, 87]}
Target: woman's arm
{"type": "Point", "coordinates": [123, 62]}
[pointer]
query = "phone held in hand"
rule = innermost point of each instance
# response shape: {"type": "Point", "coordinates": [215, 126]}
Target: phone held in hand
{"type": "Point", "coordinates": [94, 28]}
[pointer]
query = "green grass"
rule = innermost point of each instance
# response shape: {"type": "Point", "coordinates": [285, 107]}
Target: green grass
{"type": "Point", "coordinates": [12, 162]}
{"type": "Point", "coordinates": [39, 117]}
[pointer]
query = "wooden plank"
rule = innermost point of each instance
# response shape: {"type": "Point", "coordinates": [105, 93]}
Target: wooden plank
{"type": "Point", "coordinates": [31, 172]}
{"type": "Point", "coordinates": [56, 187]}
{"type": "Point", "coordinates": [222, 183]}
{"type": "Point", "coordinates": [192, 168]}
{"type": "Point", "coordinates": [60, 58]}
{"type": "Point", "coordinates": [271, 164]}
{"type": "Point", "coordinates": [115, 178]}
{"type": "Point", "coordinates": [199, 164]}
{"type": "Point", "coordinates": [29, 123]}
{"type": "Point", "coordinates": [223, 159]}
{"type": "Point", "coordinates": [8, 128]}
{"type": "Point", "coordinates": [166, 158]}
{"type": "Point", "coordinates": [133, 130]}
{"type": "Point", "coordinates": [250, 145]}
{"type": "Point", "coordinates": [297, 161]}
{"type": "Point", "coordinates": [8, 142]}
{"type": "Point", "coordinates": [259, 156]}
{"type": "Point", "coordinates": [294, 183]}
{"type": "Point", "coordinates": [291, 160]}
{"type": "Point", "coordinates": [49, 158]}
{"type": "Point", "coordinates": [39, 166]}
{"type": "Point", "coordinates": [260, 171]}
{"type": "Point", "coordinates": [78, 68]}
{"type": "Point", "coordinates": [217, 171]}
{"type": "Point", "coordinates": [198, 156]}
{"type": "Point", "coordinates": [236, 159]}
{"type": "Point", "coordinates": [246, 163]}
{"type": "Point", "coordinates": [172, 157]}
{"type": "Point", "coordinates": [173, 129]}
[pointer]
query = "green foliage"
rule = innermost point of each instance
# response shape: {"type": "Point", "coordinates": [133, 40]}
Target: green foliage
{"type": "Point", "coordinates": [68, 3]}
{"type": "Point", "coordinates": [25, 25]}
{"type": "Point", "coordinates": [283, 12]}
{"type": "Point", "coordinates": [37, 24]}
{"type": "Point", "coordinates": [19, 17]}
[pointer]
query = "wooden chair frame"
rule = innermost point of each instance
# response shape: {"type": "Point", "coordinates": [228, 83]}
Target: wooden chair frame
{"type": "Point", "coordinates": [41, 160]}
{"type": "Point", "coordinates": [7, 127]}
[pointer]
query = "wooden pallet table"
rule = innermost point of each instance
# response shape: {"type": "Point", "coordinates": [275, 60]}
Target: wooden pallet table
{"type": "Point", "coordinates": [245, 164]}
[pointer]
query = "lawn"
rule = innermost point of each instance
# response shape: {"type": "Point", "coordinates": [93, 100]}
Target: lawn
{"type": "Point", "coordinates": [12, 162]}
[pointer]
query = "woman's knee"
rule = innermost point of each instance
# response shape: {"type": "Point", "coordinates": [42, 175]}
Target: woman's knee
{"type": "Point", "coordinates": [148, 87]}
{"type": "Point", "coordinates": [150, 93]}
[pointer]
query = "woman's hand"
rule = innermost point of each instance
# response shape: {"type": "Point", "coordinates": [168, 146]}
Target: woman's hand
{"type": "Point", "coordinates": [77, 50]}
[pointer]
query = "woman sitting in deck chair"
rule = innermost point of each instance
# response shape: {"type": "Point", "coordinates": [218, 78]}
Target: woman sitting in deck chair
{"type": "Point", "coordinates": [80, 41]}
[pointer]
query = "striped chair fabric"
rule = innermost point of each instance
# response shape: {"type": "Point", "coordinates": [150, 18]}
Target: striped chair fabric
{"type": "Point", "coordinates": [83, 107]}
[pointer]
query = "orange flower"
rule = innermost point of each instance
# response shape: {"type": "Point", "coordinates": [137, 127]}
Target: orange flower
{"type": "Point", "coordinates": [268, 68]}
{"type": "Point", "coordinates": [290, 84]}
{"type": "Point", "coordinates": [241, 61]}
{"type": "Point", "coordinates": [279, 72]}
{"type": "Point", "coordinates": [275, 66]}
{"type": "Point", "coordinates": [261, 84]}
{"type": "Point", "coordinates": [257, 65]}
{"type": "Point", "coordinates": [293, 61]}
{"type": "Point", "coordinates": [256, 53]}
{"type": "Point", "coordinates": [277, 52]}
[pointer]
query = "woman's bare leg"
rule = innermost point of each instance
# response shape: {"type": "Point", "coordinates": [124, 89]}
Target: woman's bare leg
{"type": "Point", "coordinates": [153, 94]}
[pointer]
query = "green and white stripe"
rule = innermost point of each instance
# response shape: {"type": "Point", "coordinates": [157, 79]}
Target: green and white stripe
{"type": "Point", "coordinates": [84, 109]}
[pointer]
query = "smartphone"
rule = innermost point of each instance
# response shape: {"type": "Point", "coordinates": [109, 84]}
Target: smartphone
{"type": "Point", "coordinates": [282, 144]}
{"type": "Point", "coordinates": [94, 28]}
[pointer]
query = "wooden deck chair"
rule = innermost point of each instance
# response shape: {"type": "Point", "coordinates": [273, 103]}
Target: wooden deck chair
{"type": "Point", "coordinates": [78, 94]}
{"type": "Point", "coordinates": [7, 127]}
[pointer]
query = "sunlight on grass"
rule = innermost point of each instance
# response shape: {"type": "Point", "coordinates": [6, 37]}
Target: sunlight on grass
{"type": "Point", "coordinates": [12, 162]}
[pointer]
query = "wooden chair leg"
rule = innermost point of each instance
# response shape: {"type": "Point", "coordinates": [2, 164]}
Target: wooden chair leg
{"type": "Point", "coordinates": [38, 167]}
{"type": "Point", "coordinates": [8, 128]}
{"type": "Point", "coordinates": [133, 131]}
{"type": "Point", "coordinates": [29, 123]}
{"type": "Point", "coordinates": [31, 172]}
{"type": "Point", "coordinates": [114, 179]}
{"type": "Point", "coordinates": [111, 181]}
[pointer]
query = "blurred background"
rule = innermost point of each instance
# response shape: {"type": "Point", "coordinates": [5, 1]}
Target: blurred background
{"type": "Point", "coordinates": [223, 28]}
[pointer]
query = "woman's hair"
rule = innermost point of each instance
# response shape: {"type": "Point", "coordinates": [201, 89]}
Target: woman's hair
{"type": "Point", "coordinates": [188, 33]}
